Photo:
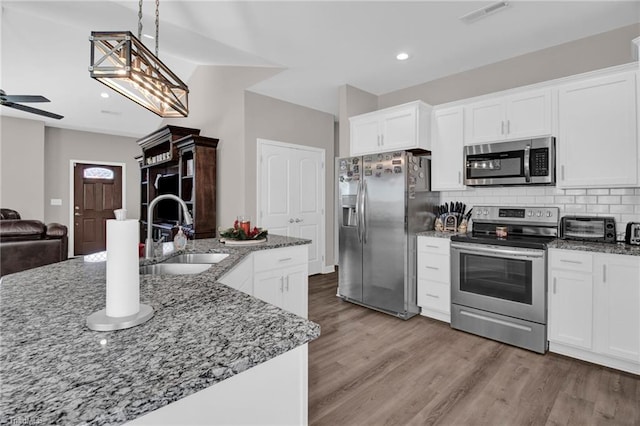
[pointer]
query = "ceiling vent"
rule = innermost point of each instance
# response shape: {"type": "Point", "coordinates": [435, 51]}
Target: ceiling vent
{"type": "Point", "coordinates": [482, 12]}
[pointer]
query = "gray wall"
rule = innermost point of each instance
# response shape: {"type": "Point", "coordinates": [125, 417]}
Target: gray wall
{"type": "Point", "coordinates": [216, 107]}
{"type": "Point", "coordinates": [22, 166]}
{"type": "Point", "coordinates": [63, 145]}
{"type": "Point", "coordinates": [273, 119]}
{"type": "Point", "coordinates": [587, 54]}
{"type": "Point", "coordinates": [353, 101]}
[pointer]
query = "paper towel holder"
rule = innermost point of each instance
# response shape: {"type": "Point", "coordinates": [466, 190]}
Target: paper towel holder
{"type": "Point", "coordinates": [100, 321]}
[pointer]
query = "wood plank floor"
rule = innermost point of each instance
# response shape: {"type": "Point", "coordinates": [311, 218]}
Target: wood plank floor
{"type": "Point", "coordinates": [368, 368]}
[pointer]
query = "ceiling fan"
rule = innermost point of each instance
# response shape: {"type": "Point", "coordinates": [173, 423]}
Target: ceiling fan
{"type": "Point", "coordinates": [10, 101]}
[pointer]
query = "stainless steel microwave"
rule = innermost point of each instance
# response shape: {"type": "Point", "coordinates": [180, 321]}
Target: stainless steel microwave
{"type": "Point", "coordinates": [523, 162]}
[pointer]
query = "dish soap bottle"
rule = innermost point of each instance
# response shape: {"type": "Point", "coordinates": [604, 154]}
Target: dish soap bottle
{"type": "Point", "coordinates": [180, 240]}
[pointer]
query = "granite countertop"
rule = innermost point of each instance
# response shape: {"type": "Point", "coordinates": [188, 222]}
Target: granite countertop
{"type": "Point", "coordinates": [617, 248]}
{"type": "Point", "coordinates": [56, 371]}
{"type": "Point", "coordinates": [437, 234]}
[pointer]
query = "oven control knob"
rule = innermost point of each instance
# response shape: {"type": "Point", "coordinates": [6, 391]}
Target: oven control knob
{"type": "Point", "coordinates": [548, 213]}
{"type": "Point", "coordinates": [485, 212]}
{"type": "Point", "coordinates": [539, 213]}
{"type": "Point", "coordinates": [529, 213]}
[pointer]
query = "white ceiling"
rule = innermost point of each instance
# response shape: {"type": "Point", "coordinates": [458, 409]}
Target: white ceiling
{"type": "Point", "coordinates": [319, 46]}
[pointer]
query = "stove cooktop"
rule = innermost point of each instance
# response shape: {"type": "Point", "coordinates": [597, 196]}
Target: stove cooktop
{"type": "Point", "coordinates": [539, 243]}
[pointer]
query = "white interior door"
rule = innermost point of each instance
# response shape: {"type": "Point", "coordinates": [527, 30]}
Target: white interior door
{"type": "Point", "coordinates": [291, 198]}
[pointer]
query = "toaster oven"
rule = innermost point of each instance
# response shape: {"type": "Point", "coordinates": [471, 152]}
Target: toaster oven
{"type": "Point", "coordinates": [588, 228]}
{"type": "Point", "coordinates": [632, 234]}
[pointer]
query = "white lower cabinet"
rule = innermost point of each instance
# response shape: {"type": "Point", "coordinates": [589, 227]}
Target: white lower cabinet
{"type": "Point", "coordinates": [434, 278]}
{"type": "Point", "coordinates": [594, 307]}
{"type": "Point", "coordinates": [277, 276]}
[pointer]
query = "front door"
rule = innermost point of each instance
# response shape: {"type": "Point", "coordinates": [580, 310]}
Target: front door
{"type": "Point", "coordinates": [291, 195]}
{"type": "Point", "coordinates": [97, 193]}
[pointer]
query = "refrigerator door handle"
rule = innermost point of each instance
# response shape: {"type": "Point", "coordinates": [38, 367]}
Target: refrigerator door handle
{"type": "Point", "coordinates": [364, 212]}
{"type": "Point", "coordinates": [358, 226]}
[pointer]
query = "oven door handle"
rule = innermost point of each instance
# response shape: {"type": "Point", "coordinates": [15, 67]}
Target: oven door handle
{"type": "Point", "coordinates": [496, 251]}
{"type": "Point", "coordinates": [527, 168]}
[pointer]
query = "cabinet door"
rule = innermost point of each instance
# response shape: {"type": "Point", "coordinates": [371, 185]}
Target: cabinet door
{"type": "Point", "coordinates": [399, 129]}
{"type": "Point", "coordinates": [448, 150]}
{"type": "Point", "coordinates": [617, 305]}
{"type": "Point", "coordinates": [268, 286]}
{"type": "Point", "coordinates": [365, 134]}
{"type": "Point", "coordinates": [528, 114]}
{"type": "Point", "coordinates": [295, 292]}
{"type": "Point", "coordinates": [597, 133]}
{"type": "Point", "coordinates": [571, 308]}
{"type": "Point", "coordinates": [484, 121]}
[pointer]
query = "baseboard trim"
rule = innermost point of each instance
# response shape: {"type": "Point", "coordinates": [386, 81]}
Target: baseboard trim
{"type": "Point", "coordinates": [328, 269]}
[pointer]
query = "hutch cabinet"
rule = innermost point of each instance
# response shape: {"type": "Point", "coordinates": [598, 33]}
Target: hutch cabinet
{"type": "Point", "coordinates": [177, 160]}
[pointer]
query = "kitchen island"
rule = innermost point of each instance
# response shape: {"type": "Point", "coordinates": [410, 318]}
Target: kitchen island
{"type": "Point", "coordinates": [55, 370]}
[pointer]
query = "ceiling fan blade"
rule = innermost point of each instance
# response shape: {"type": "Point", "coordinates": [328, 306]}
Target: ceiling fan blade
{"type": "Point", "coordinates": [32, 110]}
{"type": "Point", "coordinates": [24, 98]}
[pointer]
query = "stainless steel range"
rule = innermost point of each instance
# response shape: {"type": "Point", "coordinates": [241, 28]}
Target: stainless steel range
{"type": "Point", "coordinates": [499, 275]}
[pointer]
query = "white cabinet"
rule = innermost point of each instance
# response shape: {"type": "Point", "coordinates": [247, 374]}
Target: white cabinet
{"type": "Point", "coordinates": [517, 116]}
{"type": "Point", "coordinates": [241, 276]}
{"type": "Point", "coordinates": [281, 278]}
{"type": "Point", "coordinates": [594, 307]}
{"type": "Point", "coordinates": [617, 307]}
{"type": "Point", "coordinates": [571, 298]}
{"type": "Point", "coordinates": [597, 142]}
{"type": "Point", "coordinates": [447, 152]}
{"type": "Point", "coordinates": [434, 277]}
{"type": "Point", "coordinates": [277, 276]}
{"type": "Point", "coordinates": [405, 126]}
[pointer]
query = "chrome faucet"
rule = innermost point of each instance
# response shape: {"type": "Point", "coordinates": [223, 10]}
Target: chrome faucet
{"type": "Point", "coordinates": [188, 220]}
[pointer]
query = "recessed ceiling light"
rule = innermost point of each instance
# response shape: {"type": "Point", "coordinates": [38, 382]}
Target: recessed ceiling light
{"type": "Point", "coordinates": [104, 95]}
{"type": "Point", "coordinates": [402, 56]}
{"type": "Point", "coordinates": [483, 12]}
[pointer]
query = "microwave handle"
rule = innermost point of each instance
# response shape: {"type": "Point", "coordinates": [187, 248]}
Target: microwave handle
{"type": "Point", "coordinates": [527, 169]}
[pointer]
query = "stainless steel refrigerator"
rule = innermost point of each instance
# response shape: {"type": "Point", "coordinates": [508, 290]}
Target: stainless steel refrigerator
{"type": "Point", "coordinates": [383, 201]}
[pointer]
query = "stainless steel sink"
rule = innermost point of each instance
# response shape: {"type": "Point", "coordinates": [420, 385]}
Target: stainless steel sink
{"type": "Point", "coordinates": [198, 258]}
{"type": "Point", "coordinates": [174, 268]}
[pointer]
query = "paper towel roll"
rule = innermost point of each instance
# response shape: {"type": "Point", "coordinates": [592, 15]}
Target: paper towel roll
{"type": "Point", "coordinates": [123, 276]}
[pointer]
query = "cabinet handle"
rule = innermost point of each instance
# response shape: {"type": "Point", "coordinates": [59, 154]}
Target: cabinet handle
{"type": "Point", "coordinates": [381, 140]}
{"type": "Point", "coordinates": [571, 261]}
{"type": "Point", "coordinates": [508, 126]}
{"type": "Point", "coordinates": [502, 127]}
{"type": "Point", "coordinates": [287, 287]}
{"type": "Point", "coordinates": [281, 284]}
{"type": "Point", "coordinates": [432, 267]}
{"type": "Point", "coordinates": [554, 284]}
{"type": "Point", "coordinates": [378, 140]}
{"type": "Point", "coordinates": [604, 274]}
{"type": "Point", "coordinates": [430, 246]}
{"type": "Point", "coordinates": [435, 296]}
{"type": "Point", "coordinates": [284, 260]}
{"type": "Point", "coordinates": [562, 172]}
{"type": "Point", "coordinates": [459, 177]}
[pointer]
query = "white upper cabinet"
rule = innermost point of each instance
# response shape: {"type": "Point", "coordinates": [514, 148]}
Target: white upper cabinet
{"type": "Point", "coordinates": [447, 151]}
{"type": "Point", "coordinates": [516, 116]}
{"type": "Point", "coordinates": [401, 127]}
{"type": "Point", "coordinates": [597, 143]}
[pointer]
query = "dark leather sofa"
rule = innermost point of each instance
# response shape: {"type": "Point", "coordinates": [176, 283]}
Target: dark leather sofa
{"type": "Point", "coordinates": [26, 244]}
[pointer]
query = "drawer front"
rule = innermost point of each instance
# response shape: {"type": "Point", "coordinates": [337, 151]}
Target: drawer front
{"type": "Point", "coordinates": [433, 245]}
{"type": "Point", "coordinates": [570, 260]}
{"type": "Point", "coordinates": [434, 267]}
{"type": "Point", "coordinates": [434, 295]}
{"type": "Point", "coordinates": [265, 260]}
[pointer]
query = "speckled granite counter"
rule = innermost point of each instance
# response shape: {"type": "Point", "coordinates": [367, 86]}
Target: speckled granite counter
{"type": "Point", "coordinates": [54, 370]}
{"type": "Point", "coordinates": [436, 234]}
{"type": "Point", "coordinates": [618, 248]}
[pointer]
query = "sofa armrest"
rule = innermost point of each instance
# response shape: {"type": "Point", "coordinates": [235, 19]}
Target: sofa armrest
{"type": "Point", "coordinates": [56, 230]}
{"type": "Point", "coordinates": [8, 214]}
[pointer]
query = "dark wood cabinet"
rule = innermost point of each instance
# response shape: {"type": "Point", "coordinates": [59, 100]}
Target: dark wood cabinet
{"type": "Point", "coordinates": [177, 160]}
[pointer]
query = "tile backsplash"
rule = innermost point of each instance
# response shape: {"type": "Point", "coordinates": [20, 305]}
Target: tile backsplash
{"type": "Point", "coordinates": [623, 204]}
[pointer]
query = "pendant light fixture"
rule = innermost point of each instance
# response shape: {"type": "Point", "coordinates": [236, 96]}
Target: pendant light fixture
{"type": "Point", "coordinates": [120, 61]}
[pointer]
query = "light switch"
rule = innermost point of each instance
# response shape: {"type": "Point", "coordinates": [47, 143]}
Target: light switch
{"type": "Point", "coordinates": [56, 202]}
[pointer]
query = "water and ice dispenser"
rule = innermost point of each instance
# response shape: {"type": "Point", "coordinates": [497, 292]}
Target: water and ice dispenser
{"type": "Point", "coordinates": [349, 210]}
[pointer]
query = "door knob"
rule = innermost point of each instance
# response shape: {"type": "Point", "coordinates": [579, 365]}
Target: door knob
{"type": "Point", "coordinates": [298, 220]}
{"type": "Point", "coordinates": [77, 214]}
{"type": "Point", "coordinates": [290, 220]}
